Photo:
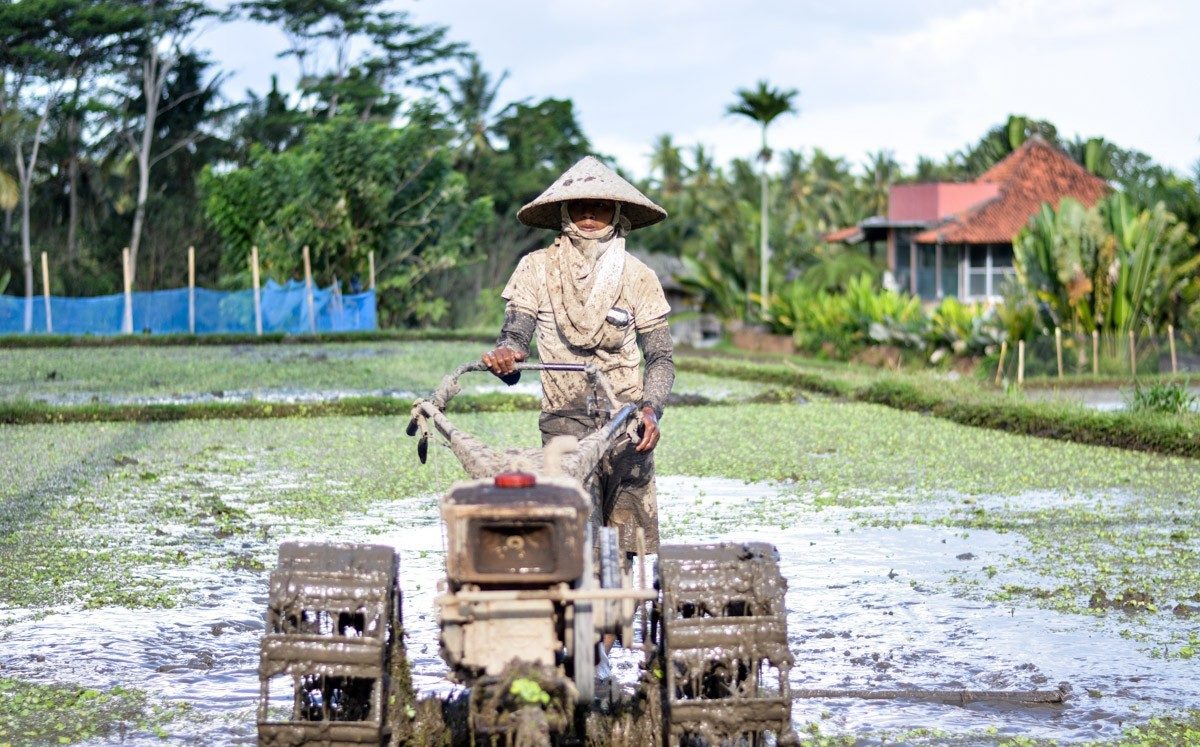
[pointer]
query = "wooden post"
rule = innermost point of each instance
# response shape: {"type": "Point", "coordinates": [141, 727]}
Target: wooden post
{"type": "Point", "coordinates": [1058, 350]}
{"type": "Point", "coordinates": [1000, 365]}
{"type": "Point", "coordinates": [257, 292]}
{"type": "Point", "coordinates": [46, 292]}
{"type": "Point", "coordinates": [1096, 353]}
{"type": "Point", "coordinates": [1171, 341]}
{"type": "Point", "coordinates": [1132, 355]}
{"type": "Point", "coordinates": [1020, 362]}
{"type": "Point", "coordinates": [127, 318]}
{"type": "Point", "coordinates": [308, 291]}
{"type": "Point", "coordinates": [371, 266]}
{"type": "Point", "coordinates": [191, 290]}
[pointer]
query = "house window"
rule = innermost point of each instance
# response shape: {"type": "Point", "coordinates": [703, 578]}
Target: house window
{"type": "Point", "coordinates": [985, 269]}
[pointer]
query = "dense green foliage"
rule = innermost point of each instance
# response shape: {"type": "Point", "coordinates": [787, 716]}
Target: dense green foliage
{"type": "Point", "coordinates": [839, 323]}
{"type": "Point", "coordinates": [351, 188]}
{"type": "Point", "coordinates": [395, 138]}
{"type": "Point", "coordinates": [1112, 268]}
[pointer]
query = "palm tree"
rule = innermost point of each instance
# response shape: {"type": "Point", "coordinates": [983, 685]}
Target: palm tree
{"type": "Point", "coordinates": [763, 105]}
{"type": "Point", "coordinates": [471, 107]}
{"type": "Point", "coordinates": [667, 160]}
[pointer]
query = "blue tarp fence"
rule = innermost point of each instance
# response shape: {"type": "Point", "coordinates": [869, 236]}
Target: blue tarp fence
{"type": "Point", "coordinates": [284, 309]}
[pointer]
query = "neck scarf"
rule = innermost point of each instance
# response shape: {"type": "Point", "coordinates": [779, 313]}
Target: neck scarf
{"type": "Point", "coordinates": [584, 276]}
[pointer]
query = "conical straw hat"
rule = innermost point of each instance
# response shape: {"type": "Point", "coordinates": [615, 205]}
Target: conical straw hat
{"type": "Point", "coordinates": [590, 180]}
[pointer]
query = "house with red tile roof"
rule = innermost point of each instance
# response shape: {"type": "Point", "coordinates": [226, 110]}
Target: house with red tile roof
{"type": "Point", "coordinates": [955, 238]}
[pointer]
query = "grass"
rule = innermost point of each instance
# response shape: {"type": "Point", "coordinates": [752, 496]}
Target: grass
{"type": "Point", "coordinates": [403, 366]}
{"type": "Point", "coordinates": [32, 714]}
{"type": "Point", "coordinates": [1168, 398]}
{"type": "Point", "coordinates": [968, 404]}
{"type": "Point", "coordinates": [74, 378]}
{"type": "Point", "coordinates": [270, 338]}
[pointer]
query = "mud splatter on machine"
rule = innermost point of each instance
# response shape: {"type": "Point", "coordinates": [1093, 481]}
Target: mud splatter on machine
{"type": "Point", "coordinates": [531, 589]}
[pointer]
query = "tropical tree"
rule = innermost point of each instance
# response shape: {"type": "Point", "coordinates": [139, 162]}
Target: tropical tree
{"type": "Point", "coordinates": [162, 42]}
{"type": "Point", "coordinates": [666, 161]}
{"type": "Point", "coordinates": [1113, 267]}
{"type": "Point", "coordinates": [763, 105]}
{"type": "Point", "coordinates": [352, 188]}
{"type": "Point", "coordinates": [355, 56]}
{"type": "Point", "coordinates": [472, 104]}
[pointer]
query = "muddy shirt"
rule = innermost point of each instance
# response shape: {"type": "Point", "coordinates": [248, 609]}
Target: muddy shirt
{"type": "Point", "coordinates": [641, 296]}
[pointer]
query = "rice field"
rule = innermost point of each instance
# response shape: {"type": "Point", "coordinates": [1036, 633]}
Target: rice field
{"type": "Point", "coordinates": [133, 556]}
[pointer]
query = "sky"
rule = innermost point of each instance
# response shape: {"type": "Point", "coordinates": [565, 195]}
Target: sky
{"type": "Point", "coordinates": [916, 78]}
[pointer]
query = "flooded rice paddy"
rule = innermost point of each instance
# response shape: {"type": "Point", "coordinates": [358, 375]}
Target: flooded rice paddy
{"type": "Point", "coordinates": [868, 608]}
{"type": "Point", "coordinates": [919, 554]}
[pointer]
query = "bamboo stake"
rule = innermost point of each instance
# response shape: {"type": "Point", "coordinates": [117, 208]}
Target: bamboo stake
{"type": "Point", "coordinates": [1000, 365]}
{"type": "Point", "coordinates": [46, 292]}
{"type": "Point", "coordinates": [191, 290]}
{"type": "Point", "coordinates": [1058, 349]}
{"type": "Point", "coordinates": [257, 291]}
{"type": "Point", "coordinates": [1096, 353]}
{"type": "Point", "coordinates": [1132, 356]}
{"type": "Point", "coordinates": [308, 289]}
{"type": "Point", "coordinates": [1020, 362]}
{"type": "Point", "coordinates": [371, 265]}
{"type": "Point", "coordinates": [1171, 340]}
{"type": "Point", "coordinates": [127, 319]}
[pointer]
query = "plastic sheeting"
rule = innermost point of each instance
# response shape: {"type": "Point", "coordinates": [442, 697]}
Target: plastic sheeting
{"type": "Point", "coordinates": [284, 309]}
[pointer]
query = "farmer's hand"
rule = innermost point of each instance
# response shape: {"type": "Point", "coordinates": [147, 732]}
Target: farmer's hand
{"type": "Point", "coordinates": [648, 429]}
{"type": "Point", "coordinates": [502, 361]}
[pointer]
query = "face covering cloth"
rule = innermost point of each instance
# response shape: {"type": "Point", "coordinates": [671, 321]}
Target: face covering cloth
{"type": "Point", "coordinates": [584, 276]}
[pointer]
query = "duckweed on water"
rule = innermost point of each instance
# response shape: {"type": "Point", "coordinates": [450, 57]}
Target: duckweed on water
{"type": "Point", "coordinates": [33, 714]}
{"type": "Point", "coordinates": [58, 374]}
{"type": "Point", "coordinates": [76, 509]}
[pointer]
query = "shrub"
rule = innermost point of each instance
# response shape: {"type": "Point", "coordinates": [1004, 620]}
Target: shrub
{"type": "Point", "coordinates": [1172, 398]}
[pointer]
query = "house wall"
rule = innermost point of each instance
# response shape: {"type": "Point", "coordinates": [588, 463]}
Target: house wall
{"type": "Point", "coordinates": [933, 201]}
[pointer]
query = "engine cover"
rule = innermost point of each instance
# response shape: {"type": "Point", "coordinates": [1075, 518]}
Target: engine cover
{"type": "Point", "coordinates": [530, 536]}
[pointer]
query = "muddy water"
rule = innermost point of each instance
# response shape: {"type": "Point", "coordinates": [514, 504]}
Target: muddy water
{"type": "Point", "coordinates": [868, 609]}
{"type": "Point", "coordinates": [299, 395]}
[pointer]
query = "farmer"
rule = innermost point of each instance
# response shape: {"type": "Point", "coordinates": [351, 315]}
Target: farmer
{"type": "Point", "coordinates": [590, 302]}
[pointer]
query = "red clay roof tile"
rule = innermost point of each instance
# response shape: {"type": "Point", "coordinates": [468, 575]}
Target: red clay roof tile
{"type": "Point", "coordinates": [1036, 172]}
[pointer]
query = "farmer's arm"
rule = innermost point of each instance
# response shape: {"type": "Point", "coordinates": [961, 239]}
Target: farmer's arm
{"type": "Point", "coordinates": [654, 339]}
{"type": "Point", "coordinates": [520, 320]}
{"type": "Point", "coordinates": [513, 344]}
{"type": "Point", "coordinates": [659, 376]}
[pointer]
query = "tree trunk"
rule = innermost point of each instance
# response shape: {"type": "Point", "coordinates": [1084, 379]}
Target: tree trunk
{"type": "Point", "coordinates": [25, 177]}
{"type": "Point", "coordinates": [154, 75]}
{"type": "Point", "coordinates": [73, 190]}
{"type": "Point", "coordinates": [763, 246]}
{"type": "Point", "coordinates": [139, 213]}
{"type": "Point", "coordinates": [26, 254]}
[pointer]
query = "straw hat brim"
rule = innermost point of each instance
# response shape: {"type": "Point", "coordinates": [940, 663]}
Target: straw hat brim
{"type": "Point", "coordinates": [590, 180]}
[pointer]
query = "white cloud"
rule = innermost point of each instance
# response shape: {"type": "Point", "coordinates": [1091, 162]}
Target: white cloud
{"type": "Point", "coordinates": [923, 78]}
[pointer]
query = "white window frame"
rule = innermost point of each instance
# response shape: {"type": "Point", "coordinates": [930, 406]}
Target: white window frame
{"type": "Point", "coordinates": [993, 276]}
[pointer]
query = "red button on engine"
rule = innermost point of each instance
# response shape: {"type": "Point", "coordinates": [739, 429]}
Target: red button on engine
{"type": "Point", "coordinates": [515, 480]}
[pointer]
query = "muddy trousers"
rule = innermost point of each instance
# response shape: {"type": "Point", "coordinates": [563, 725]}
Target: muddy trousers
{"type": "Point", "coordinates": [622, 487]}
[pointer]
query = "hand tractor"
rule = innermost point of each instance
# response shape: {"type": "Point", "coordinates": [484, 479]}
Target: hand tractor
{"type": "Point", "coordinates": [531, 590]}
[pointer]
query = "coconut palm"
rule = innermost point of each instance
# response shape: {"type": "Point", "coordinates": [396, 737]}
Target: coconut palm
{"type": "Point", "coordinates": [763, 104]}
{"type": "Point", "coordinates": [667, 161]}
